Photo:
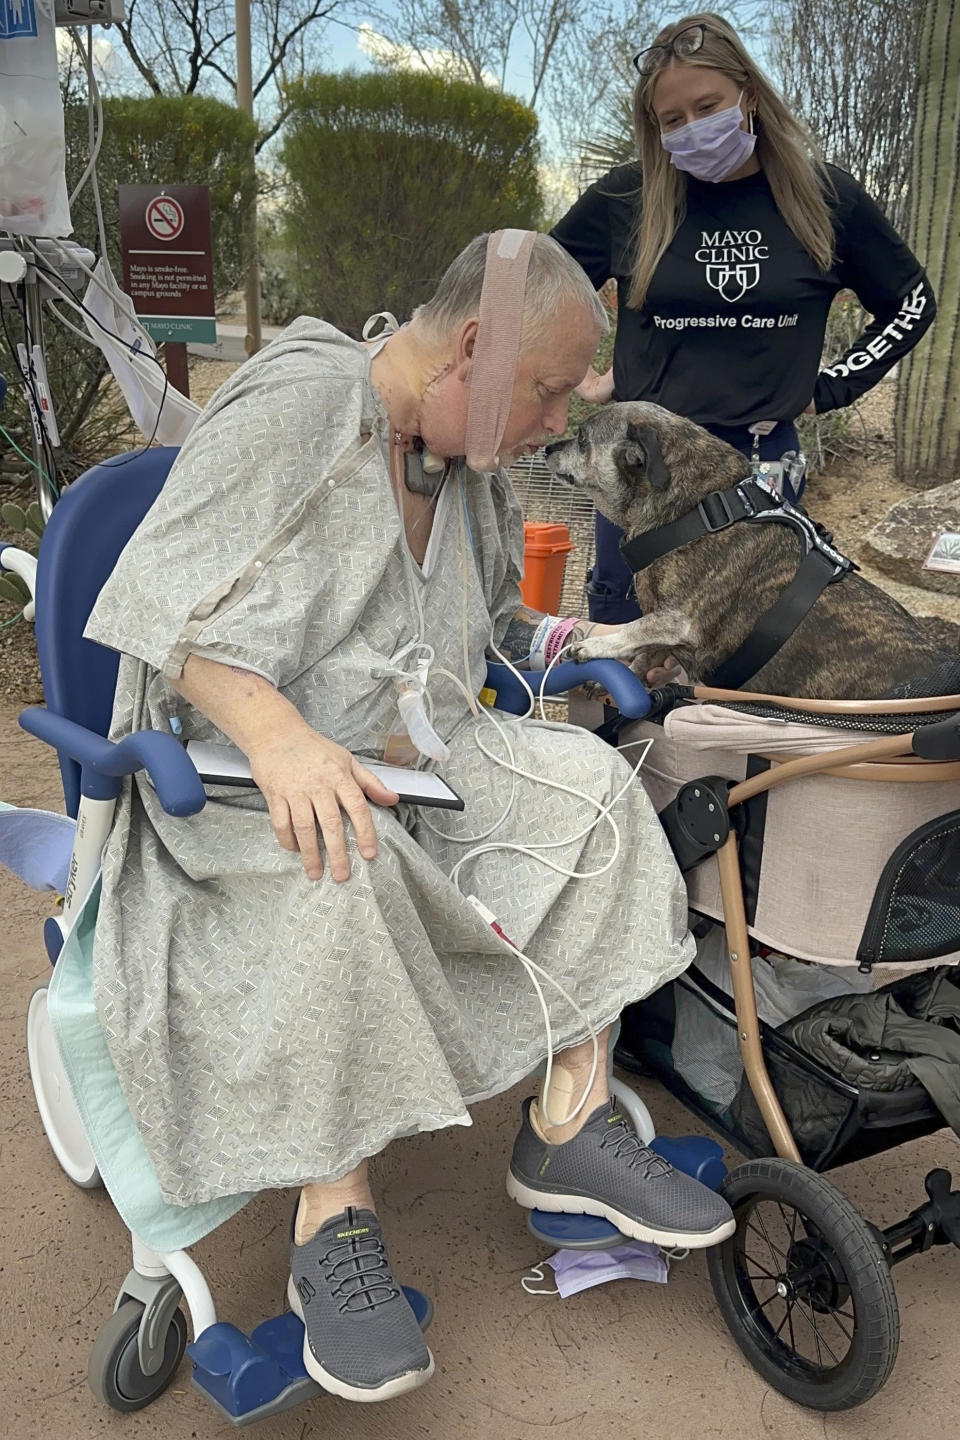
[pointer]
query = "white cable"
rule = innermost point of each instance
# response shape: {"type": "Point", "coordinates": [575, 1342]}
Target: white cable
{"type": "Point", "coordinates": [93, 100]}
{"type": "Point", "coordinates": [118, 297]}
{"type": "Point", "coordinates": [533, 970]}
{"type": "Point", "coordinates": [603, 812]}
{"type": "Point", "coordinates": [531, 966]}
{"type": "Point", "coordinates": [94, 90]}
{"type": "Point", "coordinates": [51, 278]}
{"type": "Point", "coordinates": [68, 324]}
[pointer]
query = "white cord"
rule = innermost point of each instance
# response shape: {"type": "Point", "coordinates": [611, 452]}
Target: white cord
{"type": "Point", "coordinates": [119, 299]}
{"type": "Point", "coordinates": [52, 278]}
{"type": "Point", "coordinates": [93, 99]}
{"type": "Point", "coordinates": [533, 970]}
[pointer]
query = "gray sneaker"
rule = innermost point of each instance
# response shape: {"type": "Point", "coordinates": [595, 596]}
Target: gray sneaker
{"type": "Point", "coordinates": [361, 1339]}
{"type": "Point", "coordinates": [606, 1170]}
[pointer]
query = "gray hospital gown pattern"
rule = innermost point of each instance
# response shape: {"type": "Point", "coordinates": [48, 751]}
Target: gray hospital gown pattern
{"type": "Point", "coordinates": [270, 1031]}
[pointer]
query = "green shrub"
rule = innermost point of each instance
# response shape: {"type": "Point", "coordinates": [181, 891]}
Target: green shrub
{"type": "Point", "coordinates": [389, 175]}
{"type": "Point", "coordinates": [172, 140]}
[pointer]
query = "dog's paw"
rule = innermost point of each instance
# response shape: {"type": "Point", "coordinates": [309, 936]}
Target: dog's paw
{"type": "Point", "coordinates": [600, 647]}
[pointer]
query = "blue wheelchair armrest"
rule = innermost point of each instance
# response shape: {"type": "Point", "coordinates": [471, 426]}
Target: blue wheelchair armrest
{"type": "Point", "coordinates": [104, 762]}
{"type": "Point", "coordinates": [626, 689]}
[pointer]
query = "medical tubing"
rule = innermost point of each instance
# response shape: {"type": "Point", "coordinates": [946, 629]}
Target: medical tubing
{"type": "Point", "coordinates": [529, 965]}
{"type": "Point", "coordinates": [533, 969]}
{"type": "Point", "coordinates": [416, 721]}
{"type": "Point", "coordinates": [93, 98]}
{"type": "Point", "coordinates": [118, 297]}
{"type": "Point", "coordinates": [94, 90]}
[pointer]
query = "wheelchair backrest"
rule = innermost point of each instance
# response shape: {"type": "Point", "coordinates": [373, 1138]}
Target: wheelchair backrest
{"type": "Point", "coordinates": [88, 529]}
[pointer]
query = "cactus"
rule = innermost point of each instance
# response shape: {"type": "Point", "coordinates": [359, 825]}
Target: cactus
{"type": "Point", "coordinates": [14, 517]}
{"type": "Point", "coordinates": [928, 389]}
{"type": "Point", "coordinates": [34, 519]}
{"type": "Point", "coordinates": [12, 587]}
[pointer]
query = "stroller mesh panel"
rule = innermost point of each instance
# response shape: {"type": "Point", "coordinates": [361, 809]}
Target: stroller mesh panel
{"type": "Point", "coordinates": [944, 679]}
{"type": "Point", "coordinates": [889, 724]}
{"type": "Point", "coordinates": [915, 914]}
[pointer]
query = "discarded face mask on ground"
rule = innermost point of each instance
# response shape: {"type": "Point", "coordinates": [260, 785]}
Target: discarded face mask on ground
{"type": "Point", "coordinates": [577, 1270]}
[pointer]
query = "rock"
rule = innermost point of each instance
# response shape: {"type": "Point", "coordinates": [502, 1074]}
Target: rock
{"type": "Point", "coordinates": [900, 543]}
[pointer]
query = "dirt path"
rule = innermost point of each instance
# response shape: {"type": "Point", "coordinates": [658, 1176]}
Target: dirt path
{"type": "Point", "coordinates": [628, 1359]}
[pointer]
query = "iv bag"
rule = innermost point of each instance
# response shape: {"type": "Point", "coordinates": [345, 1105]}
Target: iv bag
{"type": "Point", "coordinates": [33, 185]}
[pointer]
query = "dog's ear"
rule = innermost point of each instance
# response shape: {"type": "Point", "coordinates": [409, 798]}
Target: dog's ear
{"type": "Point", "coordinates": [642, 457]}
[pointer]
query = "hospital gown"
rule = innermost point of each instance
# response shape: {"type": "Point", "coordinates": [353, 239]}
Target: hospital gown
{"type": "Point", "coordinates": [268, 1030]}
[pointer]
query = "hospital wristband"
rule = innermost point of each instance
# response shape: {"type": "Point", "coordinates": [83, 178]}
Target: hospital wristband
{"type": "Point", "coordinates": [549, 638]}
{"type": "Point", "coordinates": [559, 636]}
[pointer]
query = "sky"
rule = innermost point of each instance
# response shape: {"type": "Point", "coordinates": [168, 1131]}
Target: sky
{"type": "Point", "coordinates": [348, 51]}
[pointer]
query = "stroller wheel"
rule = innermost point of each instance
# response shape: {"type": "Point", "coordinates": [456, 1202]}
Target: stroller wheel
{"type": "Point", "coordinates": [804, 1286]}
{"type": "Point", "coordinates": [58, 1112]}
{"type": "Point", "coordinates": [114, 1370]}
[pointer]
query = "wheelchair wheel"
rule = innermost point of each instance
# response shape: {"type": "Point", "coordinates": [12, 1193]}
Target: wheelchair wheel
{"type": "Point", "coordinates": [114, 1369]}
{"type": "Point", "coordinates": [804, 1286]}
{"type": "Point", "coordinates": [58, 1112]}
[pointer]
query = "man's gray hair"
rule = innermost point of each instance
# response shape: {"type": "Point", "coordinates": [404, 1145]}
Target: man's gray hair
{"type": "Point", "coordinates": [553, 278]}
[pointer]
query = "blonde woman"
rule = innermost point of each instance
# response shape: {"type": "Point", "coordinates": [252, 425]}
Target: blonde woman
{"type": "Point", "coordinates": [728, 238]}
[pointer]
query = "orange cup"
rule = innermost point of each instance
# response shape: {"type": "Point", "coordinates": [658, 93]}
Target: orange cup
{"type": "Point", "coordinates": [545, 551]}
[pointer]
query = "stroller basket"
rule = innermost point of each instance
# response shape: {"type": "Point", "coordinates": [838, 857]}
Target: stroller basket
{"type": "Point", "coordinates": [686, 1033]}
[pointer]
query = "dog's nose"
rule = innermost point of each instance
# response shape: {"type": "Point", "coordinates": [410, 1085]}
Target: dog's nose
{"type": "Point", "coordinates": [557, 445]}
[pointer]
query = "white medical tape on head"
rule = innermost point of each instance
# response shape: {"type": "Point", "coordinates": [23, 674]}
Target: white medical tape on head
{"type": "Point", "coordinates": [497, 347]}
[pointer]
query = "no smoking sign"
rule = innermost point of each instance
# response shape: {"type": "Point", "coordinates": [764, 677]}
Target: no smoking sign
{"type": "Point", "coordinates": [164, 217]}
{"type": "Point", "coordinates": [166, 240]}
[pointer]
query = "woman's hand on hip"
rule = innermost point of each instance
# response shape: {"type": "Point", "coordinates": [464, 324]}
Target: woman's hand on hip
{"type": "Point", "coordinates": [310, 782]}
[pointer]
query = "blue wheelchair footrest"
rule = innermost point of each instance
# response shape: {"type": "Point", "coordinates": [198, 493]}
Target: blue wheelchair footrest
{"type": "Point", "coordinates": [250, 1377]}
{"type": "Point", "coordinates": [695, 1155]}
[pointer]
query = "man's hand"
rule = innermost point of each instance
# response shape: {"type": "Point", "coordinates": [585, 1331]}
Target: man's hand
{"type": "Point", "coordinates": [306, 779]}
{"type": "Point", "coordinates": [309, 781]}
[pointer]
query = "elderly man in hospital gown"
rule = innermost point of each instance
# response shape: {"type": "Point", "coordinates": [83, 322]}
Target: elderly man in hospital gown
{"type": "Point", "coordinates": [296, 976]}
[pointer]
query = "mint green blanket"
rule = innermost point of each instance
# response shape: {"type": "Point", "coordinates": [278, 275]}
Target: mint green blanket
{"type": "Point", "coordinates": [114, 1139]}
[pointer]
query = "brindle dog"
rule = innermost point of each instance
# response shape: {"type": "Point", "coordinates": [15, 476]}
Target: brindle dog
{"type": "Point", "coordinates": [644, 467]}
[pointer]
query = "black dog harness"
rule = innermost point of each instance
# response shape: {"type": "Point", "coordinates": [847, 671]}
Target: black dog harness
{"type": "Point", "coordinates": [755, 501]}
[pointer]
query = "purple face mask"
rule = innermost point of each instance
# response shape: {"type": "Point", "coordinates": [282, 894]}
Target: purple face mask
{"type": "Point", "coordinates": [711, 148]}
{"type": "Point", "coordinates": [577, 1270]}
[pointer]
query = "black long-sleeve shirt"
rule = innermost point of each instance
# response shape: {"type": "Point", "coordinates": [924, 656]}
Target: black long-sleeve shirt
{"type": "Point", "coordinates": [732, 327]}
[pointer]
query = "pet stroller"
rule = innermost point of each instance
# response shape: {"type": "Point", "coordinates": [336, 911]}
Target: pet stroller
{"type": "Point", "coordinates": [826, 833]}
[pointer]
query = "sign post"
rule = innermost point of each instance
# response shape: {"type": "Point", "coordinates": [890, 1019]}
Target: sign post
{"type": "Point", "coordinates": [167, 248]}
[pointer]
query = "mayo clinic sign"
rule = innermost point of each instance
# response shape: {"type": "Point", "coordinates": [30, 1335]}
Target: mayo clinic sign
{"type": "Point", "coordinates": [167, 249]}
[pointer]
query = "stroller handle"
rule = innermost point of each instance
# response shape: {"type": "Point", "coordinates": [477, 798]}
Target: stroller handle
{"type": "Point", "coordinates": [104, 763]}
{"type": "Point", "coordinates": [938, 742]}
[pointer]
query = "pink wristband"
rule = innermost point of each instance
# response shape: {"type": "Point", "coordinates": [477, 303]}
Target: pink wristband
{"type": "Point", "coordinates": [558, 638]}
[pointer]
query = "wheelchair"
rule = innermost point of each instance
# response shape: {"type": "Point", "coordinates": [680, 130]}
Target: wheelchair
{"type": "Point", "coordinates": [830, 1266]}
{"type": "Point", "coordinates": [139, 1350]}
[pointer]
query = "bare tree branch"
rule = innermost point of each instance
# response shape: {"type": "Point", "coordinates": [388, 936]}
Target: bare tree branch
{"type": "Point", "coordinates": [853, 78]}
{"type": "Point", "coordinates": [186, 46]}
